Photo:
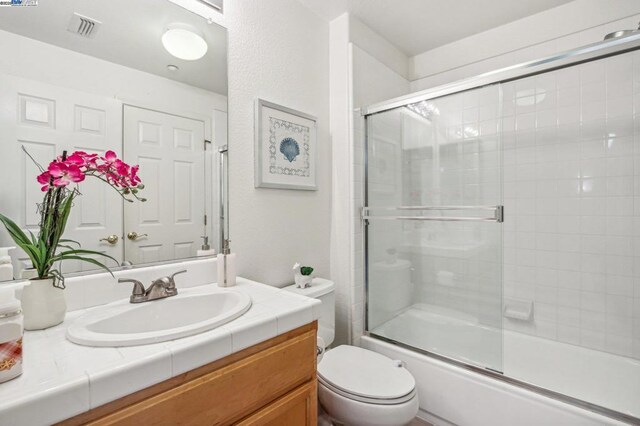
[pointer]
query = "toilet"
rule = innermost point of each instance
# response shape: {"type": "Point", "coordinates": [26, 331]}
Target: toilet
{"type": "Point", "coordinates": [356, 386]}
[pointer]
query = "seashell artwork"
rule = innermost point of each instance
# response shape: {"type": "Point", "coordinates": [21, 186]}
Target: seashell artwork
{"type": "Point", "coordinates": [289, 148]}
{"type": "Point", "coordinates": [285, 144]}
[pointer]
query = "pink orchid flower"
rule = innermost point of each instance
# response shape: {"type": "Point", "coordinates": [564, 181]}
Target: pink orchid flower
{"type": "Point", "coordinates": [121, 167]}
{"type": "Point", "coordinates": [109, 158]}
{"type": "Point", "coordinates": [44, 179]}
{"type": "Point", "coordinates": [81, 159]}
{"type": "Point", "coordinates": [75, 167]}
{"type": "Point", "coordinates": [65, 173]}
{"type": "Point", "coordinates": [135, 179]}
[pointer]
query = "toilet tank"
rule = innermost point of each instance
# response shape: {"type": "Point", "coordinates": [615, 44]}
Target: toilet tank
{"type": "Point", "coordinates": [322, 290]}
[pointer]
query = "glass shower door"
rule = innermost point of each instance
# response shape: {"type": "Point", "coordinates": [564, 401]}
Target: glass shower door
{"type": "Point", "coordinates": [433, 220]}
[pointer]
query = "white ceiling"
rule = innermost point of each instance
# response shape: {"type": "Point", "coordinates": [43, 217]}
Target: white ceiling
{"type": "Point", "coordinates": [415, 26]}
{"type": "Point", "coordinates": [130, 35]}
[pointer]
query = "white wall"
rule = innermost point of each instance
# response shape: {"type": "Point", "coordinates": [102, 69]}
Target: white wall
{"type": "Point", "coordinates": [378, 47]}
{"type": "Point", "coordinates": [341, 248]}
{"type": "Point", "coordinates": [562, 28]}
{"type": "Point", "coordinates": [278, 51]}
{"type": "Point", "coordinates": [365, 68]}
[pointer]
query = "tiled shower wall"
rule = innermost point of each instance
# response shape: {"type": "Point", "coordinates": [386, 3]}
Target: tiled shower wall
{"type": "Point", "coordinates": [571, 141]}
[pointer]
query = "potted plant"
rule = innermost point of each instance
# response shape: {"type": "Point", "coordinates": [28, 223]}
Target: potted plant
{"type": "Point", "coordinates": [302, 275]}
{"type": "Point", "coordinates": [43, 302]}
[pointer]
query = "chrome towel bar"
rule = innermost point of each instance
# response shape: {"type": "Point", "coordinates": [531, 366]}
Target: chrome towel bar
{"type": "Point", "coordinates": [497, 217]}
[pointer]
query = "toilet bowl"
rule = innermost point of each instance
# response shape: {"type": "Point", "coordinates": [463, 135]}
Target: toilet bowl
{"type": "Point", "coordinates": [356, 386]}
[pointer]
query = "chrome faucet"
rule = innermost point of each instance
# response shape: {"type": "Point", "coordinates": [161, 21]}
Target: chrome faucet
{"type": "Point", "coordinates": [159, 288]}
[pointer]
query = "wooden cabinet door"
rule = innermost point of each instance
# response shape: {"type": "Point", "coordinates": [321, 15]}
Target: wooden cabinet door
{"type": "Point", "coordinates": [297, 408]}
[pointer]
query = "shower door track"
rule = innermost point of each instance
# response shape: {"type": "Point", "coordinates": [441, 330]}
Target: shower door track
{"type": "Point", "coordinates": [566, 59]}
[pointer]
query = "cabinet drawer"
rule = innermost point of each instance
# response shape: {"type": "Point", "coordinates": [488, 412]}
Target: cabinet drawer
{"type": "Point", "coordinates": [297, 408]}
{"type": "Point", "coordinates": [229, 394]}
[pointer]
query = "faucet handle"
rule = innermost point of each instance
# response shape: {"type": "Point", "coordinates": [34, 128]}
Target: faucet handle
{"type": "Point", "coordinates": [138, 288]}
{"type": "Point", "coordinates": [172, 276]}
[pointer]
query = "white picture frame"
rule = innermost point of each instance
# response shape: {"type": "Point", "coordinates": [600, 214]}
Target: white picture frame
{"type": "Point", "coordinates": [286, 152]}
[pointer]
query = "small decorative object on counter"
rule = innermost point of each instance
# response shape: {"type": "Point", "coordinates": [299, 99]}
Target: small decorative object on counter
{"type": "Point", "coordinates": [10, 336]}
{"type": "Point", "coordinates": [226, 266]}
{"type": "Point", "coordinates": [206, 249]}
{"type": "Point", "coordinates": [43, 301]}
{"type": "Point", "coordinates": [302, 275]}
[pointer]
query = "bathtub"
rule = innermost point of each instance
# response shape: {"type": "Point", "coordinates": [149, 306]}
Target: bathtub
{"type": "Point", "coordinates": [455, 394]}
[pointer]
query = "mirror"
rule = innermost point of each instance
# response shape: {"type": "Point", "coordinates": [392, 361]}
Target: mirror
{"type": "Point", "coordinates": [98, 76]}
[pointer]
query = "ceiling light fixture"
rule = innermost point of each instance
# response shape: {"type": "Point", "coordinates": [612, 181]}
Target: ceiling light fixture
{"type": "Point", "coordinates": [184, 42]}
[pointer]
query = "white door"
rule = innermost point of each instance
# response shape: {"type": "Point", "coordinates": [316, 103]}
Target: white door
{"type": "Point", "coordinates": [170, 152]}
{"type": "Point", "coordinates": [45, 120]}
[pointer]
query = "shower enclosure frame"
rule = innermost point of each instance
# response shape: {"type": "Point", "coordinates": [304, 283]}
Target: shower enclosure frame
{"type": "Point", "coordinates": [566, 59]}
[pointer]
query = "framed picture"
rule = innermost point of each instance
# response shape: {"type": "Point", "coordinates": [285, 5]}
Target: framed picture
{"type": "Point", "coordinates": [285, 150]}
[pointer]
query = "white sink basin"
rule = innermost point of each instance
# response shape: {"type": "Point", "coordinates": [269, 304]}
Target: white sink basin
{"type": "Point", "coordinates": [127, 324]}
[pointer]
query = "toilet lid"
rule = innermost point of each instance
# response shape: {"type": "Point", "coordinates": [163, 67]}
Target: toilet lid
{"type": "Point", "coordinates": [365, 373]}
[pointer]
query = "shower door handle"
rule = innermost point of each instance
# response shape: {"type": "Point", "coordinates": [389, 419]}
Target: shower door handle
{"type": "Point", "coordinates": [498, 213]}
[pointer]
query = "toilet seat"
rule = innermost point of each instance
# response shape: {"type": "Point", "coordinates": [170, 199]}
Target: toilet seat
{"type": "Point", "coordinates": [365, 376]}
{"type": "Point", "coordinates": [359, 398]}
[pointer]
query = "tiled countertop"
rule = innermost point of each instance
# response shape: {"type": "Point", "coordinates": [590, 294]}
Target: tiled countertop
{"type": "Point", "coordinates": [62, 379]}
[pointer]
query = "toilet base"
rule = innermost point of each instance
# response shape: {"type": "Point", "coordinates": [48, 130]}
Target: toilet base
{"type": "Point", "coordinates": [323, 418]}
{"type": "Point", "coordinates": [342, 410]}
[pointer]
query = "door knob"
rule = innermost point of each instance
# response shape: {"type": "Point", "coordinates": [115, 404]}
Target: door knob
{"type": "Point", "coordinates": [111, 239]}
{"type": "Point", "coordinates": [134, 236]}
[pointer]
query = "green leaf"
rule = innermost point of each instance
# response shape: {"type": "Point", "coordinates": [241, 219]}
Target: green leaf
{"type": "Point", "coordinates": [75, 252]}
{"type": "Point", "coordinates": [14, 230]}
{"type": "Point", "coordinates": [21, 240]}
{"type": "Point", "coordinates": [33, 238]}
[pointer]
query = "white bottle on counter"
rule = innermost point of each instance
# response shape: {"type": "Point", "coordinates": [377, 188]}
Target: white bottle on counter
{"type": "Point", "coordinates": [226, 266]}
{"type": "Point", "coordinates": [6, 268]}
{"type": "Point", "coordinates": [206, 249]}
{"type": "Point", "coordinates": [11, 330]}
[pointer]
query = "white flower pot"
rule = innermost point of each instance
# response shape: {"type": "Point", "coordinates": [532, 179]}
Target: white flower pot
{"type": "Point", "coordinates": [303, 281]}
{"type": "Point", "coordinates": [43, 305]}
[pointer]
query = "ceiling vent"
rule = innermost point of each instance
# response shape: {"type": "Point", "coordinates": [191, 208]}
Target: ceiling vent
{"type": "Point", "coordinates": [83, 25]}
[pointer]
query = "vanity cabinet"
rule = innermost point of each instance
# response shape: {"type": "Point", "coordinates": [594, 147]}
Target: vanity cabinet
{"type": "Point", "coordinates": [272, 383]}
